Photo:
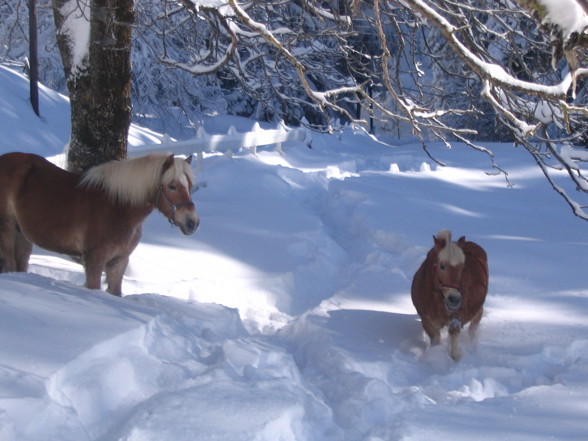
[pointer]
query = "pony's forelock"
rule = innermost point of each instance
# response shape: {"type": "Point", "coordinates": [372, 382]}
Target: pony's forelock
{"type": "Point", "coordinates": [136, 180]}
{"type": "Point", "coordinates": [178, 169]}
{"type": "Point", "coordinates": [451, 252]}
{"type": "Point", "coordinates": [444, 235]}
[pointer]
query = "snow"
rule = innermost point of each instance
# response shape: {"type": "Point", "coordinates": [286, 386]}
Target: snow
{"type": "Point", "coordinates": [567, 14]}
{"type": "Point", "coordinates": [76, 25]}
{"type": "Point", "coordinates": [287, 316]}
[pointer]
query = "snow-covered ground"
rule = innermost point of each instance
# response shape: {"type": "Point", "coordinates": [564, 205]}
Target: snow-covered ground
{"type": "Point", "coordinates": [287, 316]}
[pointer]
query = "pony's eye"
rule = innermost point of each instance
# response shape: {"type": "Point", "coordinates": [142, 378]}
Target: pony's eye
{"type": "Point", "coordinates": [172, 187]}
{"type": "Point", "coordinates": [442, 267]}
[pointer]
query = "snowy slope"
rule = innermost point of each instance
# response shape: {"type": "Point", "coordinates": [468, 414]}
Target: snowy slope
{"type": "Point", "coordinates": [288, 315]}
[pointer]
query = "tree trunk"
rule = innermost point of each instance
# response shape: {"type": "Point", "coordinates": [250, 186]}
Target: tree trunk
{"type": "Point", "coordinates": [34, 61]}
{"type": "Point", "coordinates": [98, 77]}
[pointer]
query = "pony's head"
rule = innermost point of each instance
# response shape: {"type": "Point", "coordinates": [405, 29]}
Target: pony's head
{"type": "Point", "coordinates": [174, 198]}
{"type": "Point", "coordinates": [158, 179]}
{"type": "Point", "coordinates": [449, 263]}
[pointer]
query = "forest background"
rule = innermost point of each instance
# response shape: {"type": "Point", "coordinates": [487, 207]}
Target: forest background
{"type": "Point", "coordinates": [469, 70]}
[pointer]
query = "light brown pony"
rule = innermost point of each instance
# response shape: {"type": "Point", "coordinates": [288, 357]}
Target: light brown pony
{"type": "Point", "coordinates": [449, 288]}
{"type": "Point", "coordinates": [95, 217]}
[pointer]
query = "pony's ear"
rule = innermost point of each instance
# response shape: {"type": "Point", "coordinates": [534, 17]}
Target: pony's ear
{"type": "Point", "coordinates": [167, 164]}
{"type": "Point", "coordinates": [461, 241]}
{"type": "Point", "coordinates": [189, 159]}
{"type": "Point", "coordinates": [439, 243]}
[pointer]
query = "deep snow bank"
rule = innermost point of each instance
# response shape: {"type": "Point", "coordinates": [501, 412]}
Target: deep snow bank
{"type": "Point", "coordinates": [86, 365]}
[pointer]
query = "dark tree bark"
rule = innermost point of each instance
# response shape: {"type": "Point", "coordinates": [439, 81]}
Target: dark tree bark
{"type": "Point", "coordinates": [100, 86]}
{"type": "Point", "coordinates": [34, 63]}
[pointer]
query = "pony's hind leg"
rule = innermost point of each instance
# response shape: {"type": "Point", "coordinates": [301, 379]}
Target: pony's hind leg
{"type": "Point", "coordinates": [115, 270]}
{"type": "Point", "coordinates": [23, 249]}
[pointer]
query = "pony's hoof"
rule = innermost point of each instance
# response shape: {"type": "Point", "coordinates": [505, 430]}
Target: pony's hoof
{"type": "Point", "coordinates": [456, 355]}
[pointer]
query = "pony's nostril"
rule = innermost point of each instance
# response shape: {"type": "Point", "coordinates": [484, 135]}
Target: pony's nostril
{"type": "Point", "coordinates": [453, 302]}
{"type": "Point", "coordinates": [190, 226]}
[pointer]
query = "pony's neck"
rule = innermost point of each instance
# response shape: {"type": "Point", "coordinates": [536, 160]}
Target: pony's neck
{"type": "Point", "coordinates": [133, 181]}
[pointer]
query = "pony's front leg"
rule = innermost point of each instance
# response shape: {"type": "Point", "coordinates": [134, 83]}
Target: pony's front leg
{"type": "Point", "coordinates": [432, 330]}
{"type": "Point", "coordinates": [454, 330]}
{"type": "Point", "coordinates": [93, 265]}
{"type": "Point", "coordinates": [474, 323]}
{"type": "Point", "coordinates": [7, 242]}
{"type": "Point", "coordinates": [115, 270]}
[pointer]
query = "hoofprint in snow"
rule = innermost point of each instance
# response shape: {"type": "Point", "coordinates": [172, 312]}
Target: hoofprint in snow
{"type": "Point", "coordinates": [288, 315]}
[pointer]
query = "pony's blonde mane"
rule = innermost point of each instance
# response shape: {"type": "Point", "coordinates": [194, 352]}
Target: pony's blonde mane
{"type": "Point", "coordinates": [451, 252]}
{"type": "Point", "coordinates": [135, 181]}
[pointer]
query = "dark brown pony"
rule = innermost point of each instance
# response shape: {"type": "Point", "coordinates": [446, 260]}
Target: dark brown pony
{"type": "Point", "coordinates": [95, 217]}
{"type": "Point", "coordinates": [449, 288]}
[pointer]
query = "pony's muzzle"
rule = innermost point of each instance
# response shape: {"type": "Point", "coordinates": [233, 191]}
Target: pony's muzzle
{"type": "Point", "coordinates": [452, 299]}
{"type": "Point", "coordinates": [190, 225]}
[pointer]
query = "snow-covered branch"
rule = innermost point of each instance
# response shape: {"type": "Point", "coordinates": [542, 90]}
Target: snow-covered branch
{"type": "Point", "coordinates": [488, 71]}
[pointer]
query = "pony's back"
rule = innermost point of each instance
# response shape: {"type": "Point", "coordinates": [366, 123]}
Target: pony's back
{"type": "Point", "coordinates": [475, 272]}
